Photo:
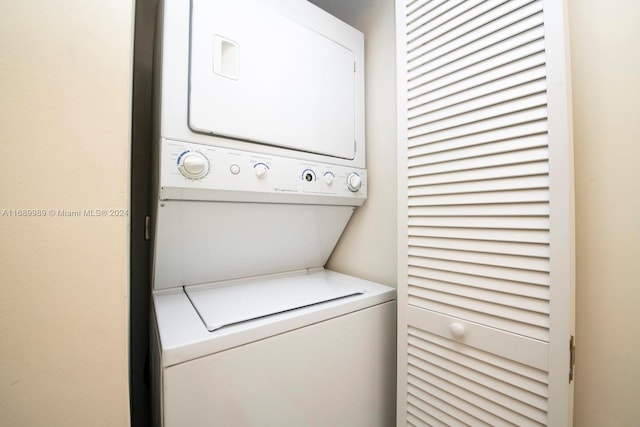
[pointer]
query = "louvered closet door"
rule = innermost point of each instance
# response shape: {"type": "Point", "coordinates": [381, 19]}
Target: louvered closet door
{"type": "Point", "coordinates": [486, 222]}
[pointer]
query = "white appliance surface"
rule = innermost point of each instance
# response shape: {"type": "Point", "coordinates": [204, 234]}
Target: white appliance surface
{"type": "Point", "coordinates": [266, 76]}
{"type": "Point", "coordinates": [225, 305]}
{"type": "Point", "coordinates": [237, 175]}
{"type": "Point", "coordinates": [294, 86]}
{"type": "Point", "coordinates": [203, 242]}
{"type": "Point", "coordinates": [259, 165]}
{"type": "Point", "coordinates": [183, 335]}
{"type": "Point", "coordinates": [337, 372]}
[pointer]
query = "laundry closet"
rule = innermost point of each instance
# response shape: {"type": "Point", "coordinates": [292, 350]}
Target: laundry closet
{"type": "Point", "coordinates": [483, 196]}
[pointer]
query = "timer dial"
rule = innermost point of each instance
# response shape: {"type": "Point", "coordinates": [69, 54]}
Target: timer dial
{"type": "Point", "coordinates": [193, 165]}
{"type": "Point", "coordinates": [261, 170]}
{"type": "Point", "coordinates": [354, 182]}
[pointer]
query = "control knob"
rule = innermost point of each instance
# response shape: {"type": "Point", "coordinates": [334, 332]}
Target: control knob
{"type": "Point", "coordinates": [328, 178]}
{"type": "Point", "coordinates": [193, 165]}
{"type": "Point", "coordinates": [354, 182]}
{"type": "Point", "coordinates": [261, 170]}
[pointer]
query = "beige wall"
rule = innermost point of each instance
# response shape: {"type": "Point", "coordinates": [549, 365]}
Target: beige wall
{"type": "Point", "coordinates": [605, 55]}
{"type": "Point", "coordinates": [65, 88]}
{"type": "Point", "coordinates": [367, 248]}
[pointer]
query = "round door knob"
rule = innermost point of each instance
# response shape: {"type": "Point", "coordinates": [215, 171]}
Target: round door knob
{"type": "Point", "coordinates": [457, 330]}
{"type": "Point", "coordinates": [261, 170]}
{"type": "Point", "coordinates": [354, 182]}
{"type": "Point", "coordinates": [193, 165]}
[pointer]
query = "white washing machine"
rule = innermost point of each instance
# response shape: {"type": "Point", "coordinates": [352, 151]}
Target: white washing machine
{"type": "Point", "coordinates": [259, 166]}
{"type": "Point", "coordinates": [322, 364]}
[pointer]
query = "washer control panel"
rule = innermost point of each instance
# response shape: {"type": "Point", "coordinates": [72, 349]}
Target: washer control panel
{"type": "Point", "coordinates": [202, 172]}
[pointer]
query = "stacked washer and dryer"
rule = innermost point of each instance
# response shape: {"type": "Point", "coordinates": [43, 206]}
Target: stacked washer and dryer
{"type": "Point", "coordinates": [260, 163]}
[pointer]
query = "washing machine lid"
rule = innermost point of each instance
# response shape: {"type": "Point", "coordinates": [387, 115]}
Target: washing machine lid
{"type": "Point", "coordinates": [257, 75]}
{"type": "Point", "coordinates": [219, 306]}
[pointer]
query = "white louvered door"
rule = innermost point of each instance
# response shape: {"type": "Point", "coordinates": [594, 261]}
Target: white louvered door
{"type": "Point", "coordinates": [485, 305]}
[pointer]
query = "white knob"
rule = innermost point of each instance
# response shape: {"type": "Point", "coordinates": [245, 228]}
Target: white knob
{"type": "Point", "coordinates": [354, 182]}
{"type": "Point", "coordinates": [328, 178]}
{"type": "Point", "coordinates": [193, 165]}
{"type": "Point", "coordinates": [457, 330]}
{"type": "Point", "coordinates": [261, 170]}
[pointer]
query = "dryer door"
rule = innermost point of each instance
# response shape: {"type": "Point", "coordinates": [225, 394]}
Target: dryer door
{"type": "Point", "coordinates": [258, 75]}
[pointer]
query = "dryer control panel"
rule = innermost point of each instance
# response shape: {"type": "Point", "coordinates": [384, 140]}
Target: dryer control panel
{"type": "Point", "coordinates": [203, 172]}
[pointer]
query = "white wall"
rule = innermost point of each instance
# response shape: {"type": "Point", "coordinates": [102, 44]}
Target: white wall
{"type": "Point", "coordinates": [367, 248]}
{"type": "Point", "coordinates": [65, 90]}
{"type": "Point", "coordinates": [605, 57]}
